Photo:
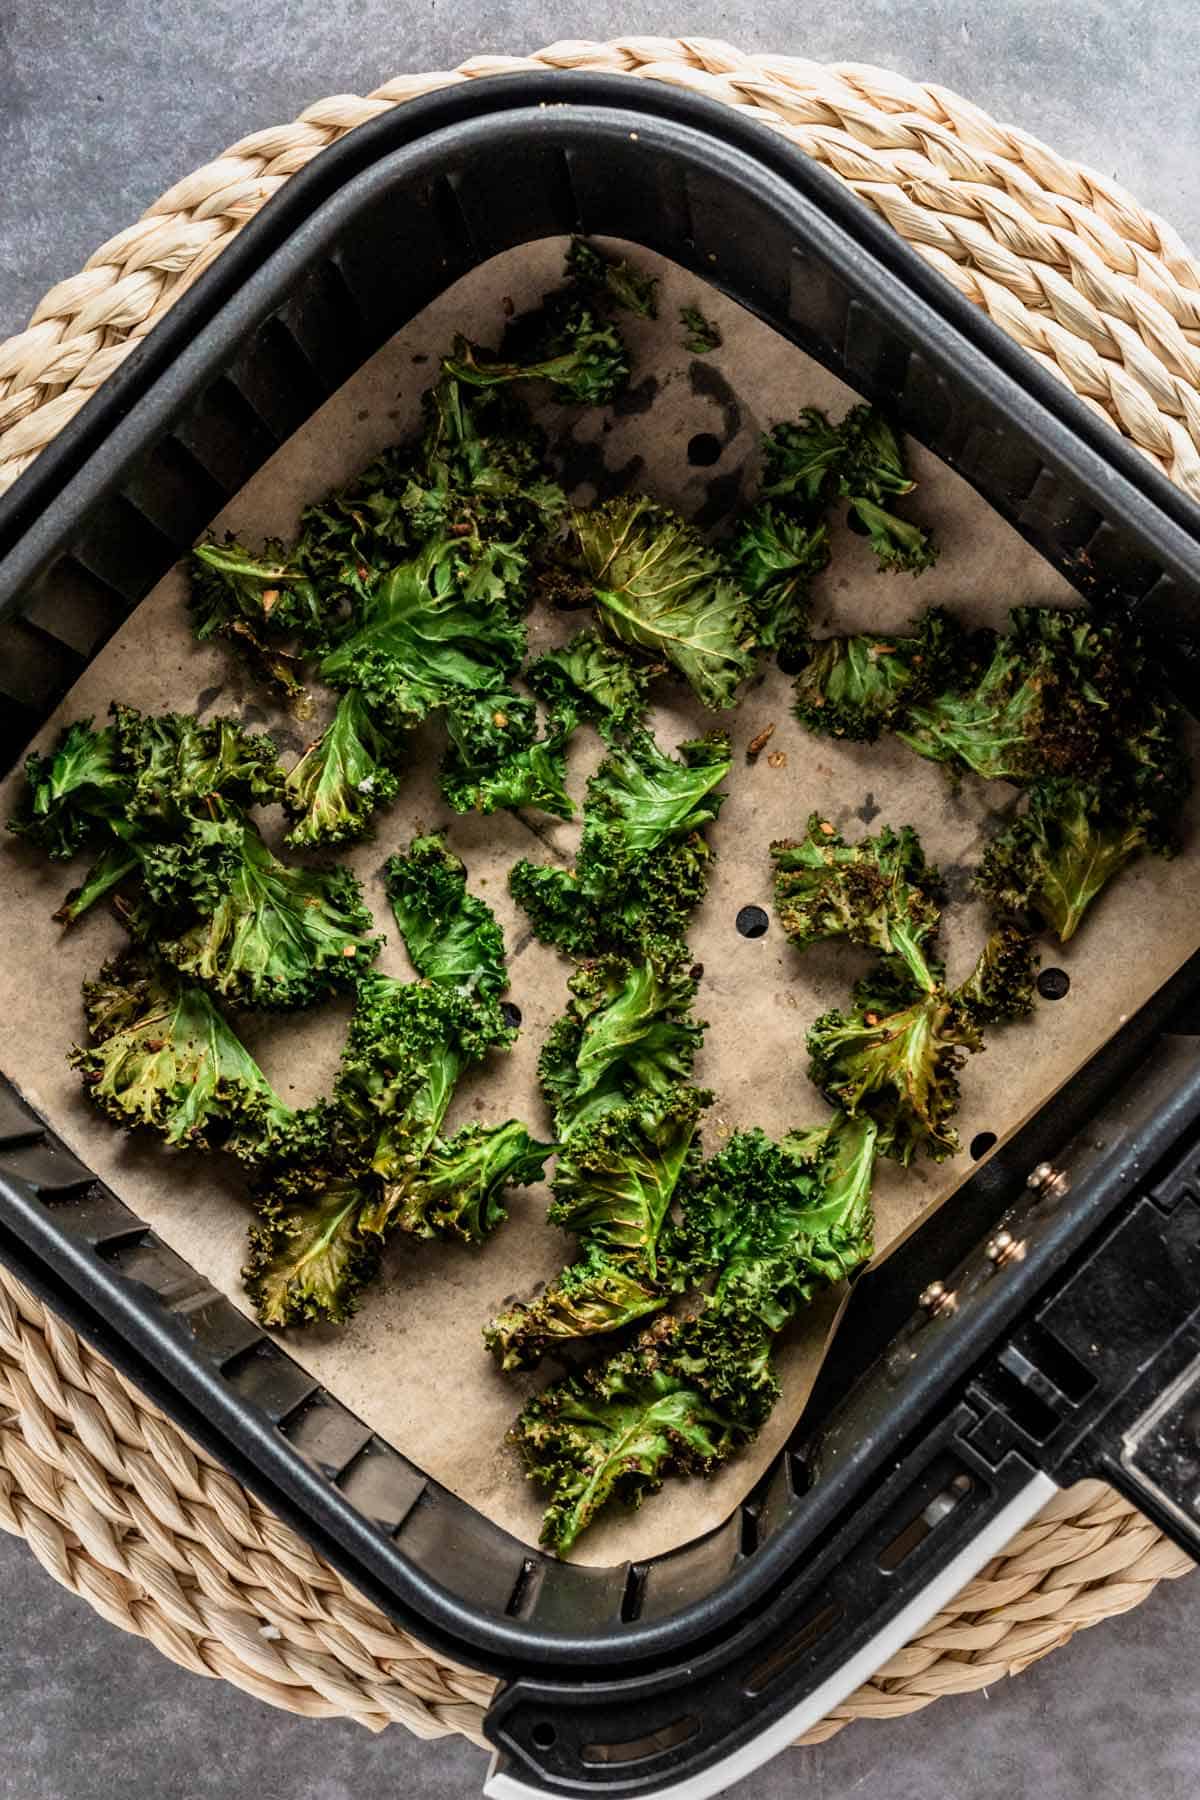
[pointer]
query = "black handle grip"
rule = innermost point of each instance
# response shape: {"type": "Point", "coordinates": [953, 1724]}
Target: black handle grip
{"type": "Point", "coordinates": [1122, 1335]}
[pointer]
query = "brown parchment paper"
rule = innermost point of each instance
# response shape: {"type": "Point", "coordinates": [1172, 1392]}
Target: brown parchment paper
{"type": "Point", "coordinates": [412, 1364]}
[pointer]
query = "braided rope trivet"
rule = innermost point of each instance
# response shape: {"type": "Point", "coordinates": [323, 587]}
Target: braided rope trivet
{"type": "Point", "coordinates": [114, 1501]}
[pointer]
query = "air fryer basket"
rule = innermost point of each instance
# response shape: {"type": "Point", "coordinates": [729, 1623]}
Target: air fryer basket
{"type": "Point", "coordinates": [935, 1429]}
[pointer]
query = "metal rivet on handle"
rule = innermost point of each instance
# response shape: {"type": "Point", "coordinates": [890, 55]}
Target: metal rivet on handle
{"type": "Point", "coordinates": [1005, 1248]}
{"type": "Point", "coordinates": [937, 1298]}
{"type": "Point", "coordinates": [1048, 1181]}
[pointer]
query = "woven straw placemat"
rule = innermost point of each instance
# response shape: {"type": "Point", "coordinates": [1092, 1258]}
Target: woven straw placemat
{"type": "Point", "coordinates": [113, 1500]}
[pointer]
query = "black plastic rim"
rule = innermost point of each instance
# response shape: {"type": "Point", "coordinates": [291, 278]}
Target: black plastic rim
{"type": "Point", "coordinates": [45, 506]}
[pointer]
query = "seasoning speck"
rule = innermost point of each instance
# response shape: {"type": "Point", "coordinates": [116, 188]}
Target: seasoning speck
{"type": "Point", "coordinates": [759, 743]}
{"type": "Point", "coordinates": [777, 759]}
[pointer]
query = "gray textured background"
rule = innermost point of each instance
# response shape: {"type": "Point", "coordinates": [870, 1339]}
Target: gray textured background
{"type": "Point", "coordinates": [101, 108]}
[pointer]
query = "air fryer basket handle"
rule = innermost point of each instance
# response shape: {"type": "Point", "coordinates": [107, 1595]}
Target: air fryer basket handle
{"type": "Point", "coordinates": [1099, 1376]}
{"type": "Point", "coordinates": [693, 1729]}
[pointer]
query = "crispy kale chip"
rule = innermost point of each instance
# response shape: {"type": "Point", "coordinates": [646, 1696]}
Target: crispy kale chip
{"type": "Point", "coordinates": [276, 937]}
{"type": "Point", "coordinates": [496, 758]}
{"type": "Point", "coordinates": [405, 1051]}
{"type": "Point", "coordinates": [879, 893]}
{"type": "Point", "coordinates": [161, 1057]}
{"type": "Point", "coordinates": [628, 1030]}
{"type": "Point", "coordinates": [458, 1187]}
{"type": "Point", "coordinates": [159, 797]}
{"type": "Point", "coordinates": [74, 794]}
{"type": "Point", "coordinates": [811, 464]}
{"type": "Point", "coordinates": [430, 628]}
{"type": "Point", "coordinates": [591, 680]}
{"type": "Point", "coordinates": [856, 687]}
{"type": "Point", "coordinates": [774, 1222]}
{"type": "Point", "coordinates": [777, 557]}
{"type": "Point", "coordinates": [362, 526]}
{"type": "Point", "coordinates": [613, 1187]}
{"type": "Point", "coordinates": [408, 1046]}
{"type": "Point", "coordinates": [372, 1160]}
{"type": "Point", "coordinates": [900, 1069]}
{"type": "Point", "coordinates": [565, 343]}
{"type": "Point", "coordinates": [896, 1058]}
{"type": "Point", "coordinates": [660, 588]}
{"type": "Point", "coordinates": [335, 787]}
{"type": "Point", "coordinates": [1059, 694]}
{"type": "Point", "coordinates": [619, 282]}
{"type": "Point", "coordinates": [1059, 856]}
{"type": "Point", "coordinates": [700, 335]}
{"type": "Point", "coordinates": [1001, 985]}
{"type": "Point", "coordinates": [479, 471]}
{"type": "Point", "coordinates": [308, 1261]}
{"type": "Point", "coordinates": [270, 593]}
{"type": "Point", "coordinates": [450, 934]}
{"type": "Point", "coordinates": [205, 891]}
{"type": "Point", "coordinates": [1081, 829]}
{"type": "Point", "coordinates": [642, 864]}
{"type": "Point", "coordinates": [142, 771]}
{"type": "Point", "coordinates": [619, 1429]}
{"type": "Point", "coordinates": [767, 1225]}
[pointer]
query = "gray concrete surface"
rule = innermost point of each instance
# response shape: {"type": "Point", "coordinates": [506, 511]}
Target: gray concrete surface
{"type": "Point", "coordinates": [101, 107]}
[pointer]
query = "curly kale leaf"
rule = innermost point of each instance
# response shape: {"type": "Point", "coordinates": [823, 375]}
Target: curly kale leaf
{"type": "Point", "coordinates": [616, 1431]}
{"type": "Point", "coordinates": [856, 687]}
{"type": "Point", "coordinates": [456, 1189]}
{"type": "Point", "coordinates": [811, 464]}
{"type": "Point", "coordinates": [429, 629]}
{"type": "Point", "coordinates": [777, 558]}
{"type": "Point", "coordinates": [642, 864]}
{"type": "Point", "coordinates": [659, 587]}
{"type": "Point", "coordinates": [1061, 854]}
{"type": "Point", "coordinates": [591, 680]}
{"type": "Point", "coordinates": [620, 282]}
{"type": "Point", "coordinates": [270, 593]}
{"type": "Point", "coordinates": [451, 935]}
{"type": "Point", "coordinates": [564, 343]}
{"type": "Point", "coordinates": [1001, 985]}
{"type": "Point", "coordinates": [362, 526]}
{"type": "Point", "coordinates": [161, 1057]}
{"type": "Point", "coordinates": [871, 476]}
{"type": "Point", "coordinates": [880, 893]}
{"type": "Point", "coordinates": [774, 1222]}
{"type": "Point", "coordinates": [769, 1224]}
{"type": "Point", "coordinates": [72, 793]}
{"type": "Point", "coordinates": [406, 1048]}
{"type": "Point", "coordinates": [896, 1058]}
{"type": "Point", "coordinates": [143, 774]}
{"type": "Point", "coordinates": [616, 1175]}
{"type": "Point", "coordinates": [700, 335]}
{"type": "Point", "coordinates": [628, 1031]}
{"type": "Point", "coordinates": [175, 763]}
{"type": "Point", "coordinates": [336, 786]}
{"type": "Point", "coordinates": [613, 1187]}
{"type": "Point", "coordinates": [479, 471]}
{"type": "Point", "coordinates": [496, 758]}
{"type": "Point", "coordinates": [159, 796]}
{"type": "Point", "coordinates": [1056, 696]}
{"type": "Point", "coordinates": [371, 1160]}
{"type": "Point", "coordinates": [900, 1070]}
{"type": "Point", "coordinates": [277, 937]}
{"type": "Point", "coordinates": [801, 463]}
{"type": "Point", "coordinates": [309, 1261]}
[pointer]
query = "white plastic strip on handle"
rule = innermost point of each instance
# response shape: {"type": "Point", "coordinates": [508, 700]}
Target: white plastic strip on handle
{"type": "Point", "coordinates": [500, 1785]}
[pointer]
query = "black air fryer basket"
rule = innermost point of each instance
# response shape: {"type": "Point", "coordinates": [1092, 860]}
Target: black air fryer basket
{"type": "Point", "coordinates": [1045, 1327]}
